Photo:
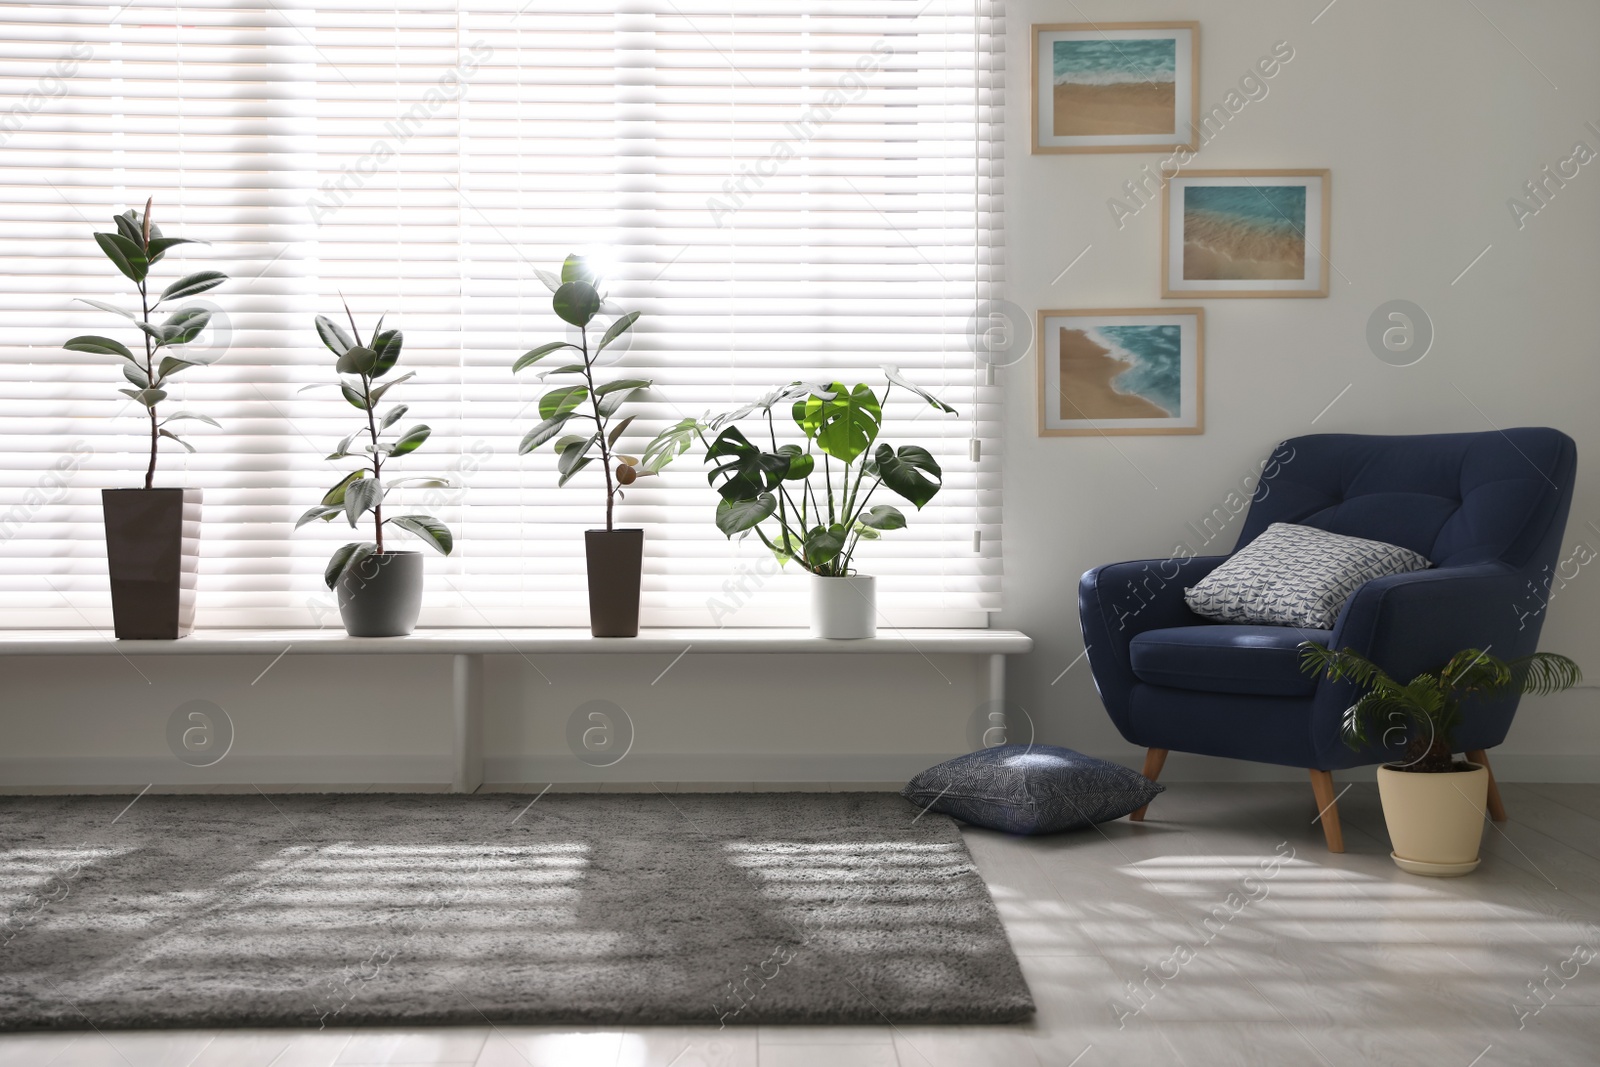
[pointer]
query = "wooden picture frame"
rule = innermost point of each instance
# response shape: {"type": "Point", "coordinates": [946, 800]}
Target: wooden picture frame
{"type": "Point", "coordinates": [1115, 99]}
{"type": "Point", "coordinates": [1248, 236]}
{"type": "Point", "coordinates": [1082, 391]}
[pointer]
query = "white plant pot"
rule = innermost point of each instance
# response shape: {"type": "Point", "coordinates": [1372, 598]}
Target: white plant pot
{"type": "Point", "coordinates": [1435, 820]}
{"type": "Point", "coordinates": [844, 608]}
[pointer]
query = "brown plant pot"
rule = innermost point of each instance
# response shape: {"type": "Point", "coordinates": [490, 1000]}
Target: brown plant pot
{"type": "Point", "coordinates": [616, 561]}
{"type": "Point", "coordinates": [153, 557]}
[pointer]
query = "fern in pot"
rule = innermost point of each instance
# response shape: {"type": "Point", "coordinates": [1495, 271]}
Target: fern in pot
{"type": "Point", "coordinates": [153, 533]}
{"type": "Point", "coordinates": [379, 587]}
{"type": "Point", "coordinates": [815, 500]}
{"type": "Point", "coordinates": [1433, 804]}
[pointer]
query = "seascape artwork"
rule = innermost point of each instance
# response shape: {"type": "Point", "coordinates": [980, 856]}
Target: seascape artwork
{"type": "Point", "coordinates": [1112, 86]}
{"type": "Point", "coordinates": [1244, 232]}
{"type": "Point", "coordinates": [1121, 371]}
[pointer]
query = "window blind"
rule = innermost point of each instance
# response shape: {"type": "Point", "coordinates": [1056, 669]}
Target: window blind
{"type": "Point", "coordinates": [785, 190]}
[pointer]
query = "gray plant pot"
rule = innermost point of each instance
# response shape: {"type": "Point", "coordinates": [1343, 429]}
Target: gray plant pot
{"type": "Point", "coordinates": [381, 596]}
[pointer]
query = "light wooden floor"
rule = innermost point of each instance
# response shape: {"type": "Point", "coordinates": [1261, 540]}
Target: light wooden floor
{"type": "Point", "coordinates": [1329, 960]}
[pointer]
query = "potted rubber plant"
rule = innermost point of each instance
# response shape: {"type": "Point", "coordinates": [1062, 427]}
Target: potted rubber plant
{"type": "Point", "coordinates": [615, 557]}
{"type": "Point", "coordinates": [378, 587]}
{"type": "Point", "coordinates": [152, 533]}
{"type": "Point", "coordinates": [1433, 804]}
{"type": "Point", "coordinates": [815, 500]}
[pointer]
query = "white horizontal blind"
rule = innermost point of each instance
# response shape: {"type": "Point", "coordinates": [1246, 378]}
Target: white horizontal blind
{"type": "Point", "coordinates": [785, 190]}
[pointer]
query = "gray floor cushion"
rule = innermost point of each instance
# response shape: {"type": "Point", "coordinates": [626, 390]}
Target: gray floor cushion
{"type": "Point", "coordinates": [1030, 789]}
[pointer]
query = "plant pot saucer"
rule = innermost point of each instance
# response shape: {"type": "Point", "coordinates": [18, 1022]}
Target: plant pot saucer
{"type": "Point", "coordinates": [1435, 870]}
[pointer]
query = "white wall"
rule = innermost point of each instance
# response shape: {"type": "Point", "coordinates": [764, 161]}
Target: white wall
{"type": "Point", "coordinates": [1429, 118]}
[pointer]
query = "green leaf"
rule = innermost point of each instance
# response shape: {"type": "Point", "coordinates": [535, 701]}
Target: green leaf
{"type": "Point", "coordinates": [319, 512]}
{"type": "Point", "coordinates": [576, 302]}
{"type": "Point", "coordinates": [843, 427]}
{"type": "Point", "coordinates": [572, 455]}
{"type": "Point", "coordinates": [411, 441]}
{"type": "Point", "coordinates": [567, 440]}
{"type": "Point", "coordinates": [618, 328]}
{"type": "Point", "coordinates": [670, 443]}
{"type": "Point", "coordinates": [576, 269]}
{"type": "Point", "coordinates": [176, 415]}
{"type": "Point", "coordinates": [183, 326]}
{"type": "Point", "coordinates": [159, 245]}
{"type": "Point", "coordinates": [737, 516]}
{"type": "Point", "coordinates": [422, 481]}
{"type": "Point", "coordinates": [387, 344]}
{"type": "Point", "coordinates": [148, 397]}
{"type": "Point", "coordinates": [378, 391]}
{"type": "Point", "coordinates": [135, 374]}
{"type": "Point", "coordinates": [433, 532]}
{"type": "Point", "coordinates": [131, 226]}
{"type": "Point", "coordinates": [355, 399]}
{"type": "Point", "coordinates": [102, 346]}
{"type": "Point", "coordinates": [618, 430]}
{"type": "Point", "coordinates": [168, 433]}
{"type": "Point", "coordinates": [576, 467]}
{"type": "Point", "coordinates": [823, 544]}
{"type": "Point", "coordinates": [621, 383]}
{"type": "Point", "coordinates": [124, 312]}
{"type": "Point", "coordinates": [127, 256]}
{"type": "Point", "coordinates": [334, 498]}
{"type": "Point", "coordinates": [801, 464]}
{"type": "Point", "coordinates": [883, 517]}
{"type": "Point", "coordinates": [561, 401]}
{"type": "Point", "coordinates": [333, 335]}
{"type": "Point", "coordinates": [907, 472]}
{"type": "Point", "coordinates": [894, 375]}
{"type": "Point", "coordinates": [360, 497]}
{"type": "Point", "coordinates": [357, 359]}
{"type": "Point", "coordinates": [551, 282]}
{"type": "Point", "coordinates": [347, 556]}
{"type": "Point", "coordinates": [542, 433]}
{"type": "Point", "coordinates": [570, 368]}
{"type": "Point", "coordinates": [192, 284]}
{"type": "Point", "coordinates": [612, 403]}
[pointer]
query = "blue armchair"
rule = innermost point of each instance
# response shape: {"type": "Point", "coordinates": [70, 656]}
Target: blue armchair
{"type": "Point", "coordinates": [1489, 509]}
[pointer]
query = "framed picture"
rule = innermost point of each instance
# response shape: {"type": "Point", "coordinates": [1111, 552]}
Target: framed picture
{"type": "Point", "coordinates": [1246, 233]}
{"type": "Point", "coordinates": [1116, 86]}
{"type": "Point", "coordinates": [1121, 371]}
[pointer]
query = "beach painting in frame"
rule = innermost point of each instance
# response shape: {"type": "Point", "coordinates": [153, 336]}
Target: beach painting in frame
{"type": "Point", "coordinates": [1115, 87]}
{"type": "Point", "coordinates": [1246, 233]}
{"type": "Point", "coordinates": [1121, 371]}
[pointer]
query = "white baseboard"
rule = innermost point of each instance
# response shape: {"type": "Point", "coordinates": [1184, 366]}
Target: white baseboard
{"type": "Point", "coordinates": [640, 767]}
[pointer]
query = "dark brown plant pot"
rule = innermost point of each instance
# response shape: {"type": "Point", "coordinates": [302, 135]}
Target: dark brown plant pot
{"type": "Point", "coordinates": [616, 561]}
{"type": "Point", "coordinates": [153, 556]}
{"type": "Point", "coordinates": [381, 596]}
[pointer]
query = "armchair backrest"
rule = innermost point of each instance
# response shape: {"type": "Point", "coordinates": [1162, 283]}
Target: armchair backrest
{"type": "Point", "coordinates": [1458, 498]}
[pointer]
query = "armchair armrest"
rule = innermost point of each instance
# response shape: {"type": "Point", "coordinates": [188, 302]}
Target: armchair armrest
{"type": "Point", "coordinates": [1119, 601]}
{"type": "Point", "coordinates": [1409, 623]}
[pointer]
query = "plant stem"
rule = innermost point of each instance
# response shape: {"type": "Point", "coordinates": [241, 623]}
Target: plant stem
{"type": "Point", "coordinates": [599, 424]}
{"type": "Point", "coordinates": [149, 377]}
{"type": "Point", "coordinates": [377, 461]}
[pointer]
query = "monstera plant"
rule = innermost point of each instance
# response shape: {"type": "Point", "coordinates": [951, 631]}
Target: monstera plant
{"type": "Point", "coordinates": [379, 588]}
{"type": "Point", "coordinates": [582, 415]}
{"type": "Point", "coordinates": [152, 535]}
{"type": "Point", "coordinates": [815, 500]}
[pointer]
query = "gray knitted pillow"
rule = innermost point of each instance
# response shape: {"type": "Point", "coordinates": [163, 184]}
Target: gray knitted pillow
{"type": "Point", "coordinates": [1030, 789]}
{"type": "Point", "coordinates": [1296, 576]}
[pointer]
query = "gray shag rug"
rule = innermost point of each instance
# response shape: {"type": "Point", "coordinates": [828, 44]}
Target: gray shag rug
{"type": "Point", "coordinates": [314, 910]}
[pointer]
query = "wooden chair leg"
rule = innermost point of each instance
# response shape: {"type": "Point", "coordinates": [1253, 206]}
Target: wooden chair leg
{"type": "Point", "coordinates": [1154, 760]}
{"type": "Point", "coordinates": [1327, 809]}
{"type": "Point", "coordinates": [1497, 809]}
